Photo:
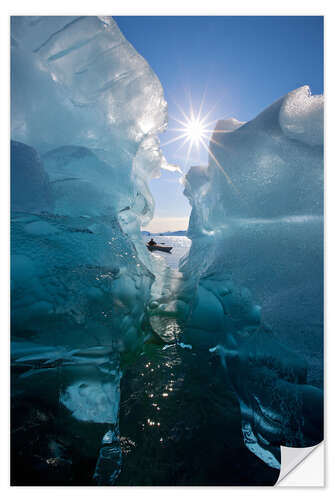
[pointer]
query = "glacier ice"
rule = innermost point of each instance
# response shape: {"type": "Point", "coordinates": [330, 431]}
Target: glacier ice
{"type": "Point", "coordinates": [256, 268]}
{"type": "Point", "coordinates": [86, 111]}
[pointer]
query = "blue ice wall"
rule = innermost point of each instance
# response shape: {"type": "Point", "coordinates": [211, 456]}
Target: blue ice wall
{"type": "Point", "coordinates": [256, 268]}
{"type": "Point", "coordinates": [86, 112]}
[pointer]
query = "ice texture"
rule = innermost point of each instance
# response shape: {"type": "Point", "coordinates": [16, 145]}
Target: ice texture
{"type": "Point", "coordinates": [255, 268]}
{"type": "Point", "coordinates": [86, 113]}
{"type": "Point", "coordinates": [30, 185]}
{"type": "Point", "coordinates": [268, 167]}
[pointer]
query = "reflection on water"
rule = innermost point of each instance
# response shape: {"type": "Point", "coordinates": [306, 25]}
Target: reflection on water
{"type": "Point", "coordinates": [180, 423]}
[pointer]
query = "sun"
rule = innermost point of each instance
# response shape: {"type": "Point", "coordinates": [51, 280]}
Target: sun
{"type": "Point", "coordinates": [195, 130]}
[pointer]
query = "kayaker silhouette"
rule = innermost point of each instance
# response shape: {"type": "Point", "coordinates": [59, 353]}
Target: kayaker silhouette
{"type": "Point", "coordinates": [152, 246]}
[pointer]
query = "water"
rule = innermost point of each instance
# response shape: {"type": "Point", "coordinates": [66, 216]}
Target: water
{"type": "Point", "coordinates": [180, 246]}
{"type": "Point", "coordinates": [179, 423]}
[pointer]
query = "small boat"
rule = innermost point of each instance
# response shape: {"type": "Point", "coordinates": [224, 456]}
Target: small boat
{"type": "Point", "coordinates": [161, 248]}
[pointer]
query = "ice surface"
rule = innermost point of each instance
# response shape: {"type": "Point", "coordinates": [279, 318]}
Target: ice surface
{"type": "Point", "coordinates": [30, 185]}
{"type": "Point", "coordinates": [255, 268]}
{"type": "Point", "coordinates": [61, 65]}
{"type": "Point", "coordinates": [86, 111]}
{"type": "Point", "coordinates": [302, 116]}
{"type": "Point", "coordinates": [268, 167]}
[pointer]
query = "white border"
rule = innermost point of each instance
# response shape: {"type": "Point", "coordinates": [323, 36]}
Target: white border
{"type": "Point", "coordinates": [140, 7]}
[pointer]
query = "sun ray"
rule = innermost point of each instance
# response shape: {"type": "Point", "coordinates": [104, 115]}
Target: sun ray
{"type": "Point", "coordinates": [189, 149]}
{"type": "Point", "coordinates": [214, 141]}
{"type": "Point", "coordinates": [208, 124]}
{"type": "Point", "coordinates": [176, 129]}
{"type": "Point", "coordinates": [182, 144]}
{"type": "Point", "coordinates": [220, 166]}
{"type": "Point", "coordinates": [178, 121]}
{"type": "Point", "coordinates": [211, 110]}
{"type": "Point", "coordinates": [202, 103]}
{"type": "Point", "coordinates": [182, 112]}
{"type": "Point", "coordinates": [175, 139]}
{"type": "Point", "coordinates": [191, 105]}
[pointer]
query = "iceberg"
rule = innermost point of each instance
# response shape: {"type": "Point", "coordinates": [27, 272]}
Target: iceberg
{"type": "Point", "coordinates": [256, 268]}
{"type": "Point", "coordinates": [86, 113]}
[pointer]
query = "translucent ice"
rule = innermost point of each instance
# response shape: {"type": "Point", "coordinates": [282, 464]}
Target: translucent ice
{"type": "Point", "coordinates": [257, 259]}
{"type": "Point", "coordinates": [86, 111]}
{"type": "Point", "coordinates": [268, 167]}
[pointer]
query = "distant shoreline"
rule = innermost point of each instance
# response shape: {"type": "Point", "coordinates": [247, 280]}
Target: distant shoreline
{"type": "Point", "coordinates": [167, 233]}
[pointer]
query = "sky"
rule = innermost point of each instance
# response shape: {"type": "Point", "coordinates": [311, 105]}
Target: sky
{"type": "Point", "coordinates": [240, 65]}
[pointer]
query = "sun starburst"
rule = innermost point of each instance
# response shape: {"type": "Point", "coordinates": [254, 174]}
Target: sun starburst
{"type": "Point", "coordinates": [195, 130]}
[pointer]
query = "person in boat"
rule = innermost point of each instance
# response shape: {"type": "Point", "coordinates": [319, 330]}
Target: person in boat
{"type": "Point", "coordinates": [152, 242]}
